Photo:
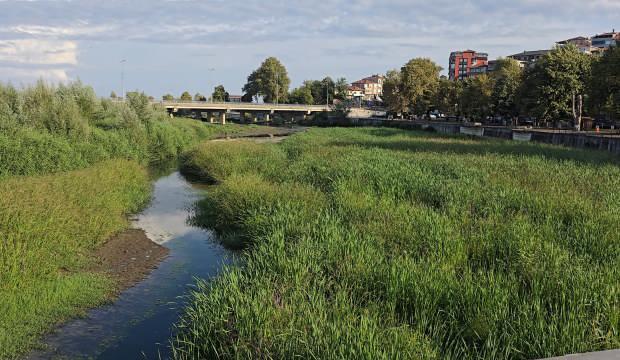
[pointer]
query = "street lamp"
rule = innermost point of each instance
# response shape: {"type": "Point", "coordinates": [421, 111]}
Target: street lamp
{"type": "Point", "coordinates": [123, 78]}
{"type": "Point", "coordinates": [211, 97]}
{"type": "Point", "coordinates": [327, 93]}
{"type": "Point", "coordinates": [277, 86]}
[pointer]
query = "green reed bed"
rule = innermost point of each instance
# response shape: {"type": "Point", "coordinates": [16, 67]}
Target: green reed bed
{"type": "Point", "coordinates": [53, 215]}
{"type": "Point", "coordinates": [49, 226]}
{"type": "Point", "coordinates": [46, 129]}
{"type": "Point", "coordinates": [374, 243]}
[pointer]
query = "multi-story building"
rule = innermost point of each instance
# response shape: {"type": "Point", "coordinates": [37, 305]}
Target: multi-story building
{"type": "Point", "coordinates": [493, 65]}
{"type": "Point", "coordinates": [464, 64]}
{"type": "Point", "coordinates": [372, 87]}
{"type": "Point", "coordinates": [353, 92]}
{"type": "Point", "coordinates": [530, 57]}
{"type": "Point", "coordinates": [606, 40]}
{"type": "Point", "coordinates": [584, 44]}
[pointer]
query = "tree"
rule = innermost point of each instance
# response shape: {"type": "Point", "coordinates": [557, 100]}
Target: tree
{"type": "Point", "coordinates": [476, 98]}
{"type": "Point", "coordinates": [113, 95]}
{"type": "Point", "coordinates": [186, 96]}
{"type": "Point", "coordinates": [507, 80]}
{"type": "Point", "coordinates": [220, 94]}
{"type": "Point", "coordinates": [247, 98]}
{"type": "Point", "coordinates": [392, 95]}
{"type": "Point", "coordinates": [301, 95]}
{"type": "Point", "coordinates": [140, 104]}
{"type": "Point", "coordinates": [199, 97]}
{"type": "Point", "coordinates": [448, 96]}
{"type": "Point", "coordinates": [549, 88]}
{"type": "Point", "coordinates": [419, 82]}
{"type": "Point", "coordinates": [323, 91]}
{"type": "Point", "coordinates": [270, 81]}
{"type": "Point", "coordinates": [340, 90]}
{"type": "Point", "coordinates": [168, 97]}
{"type": "Point", "coordinates": [604, 87]}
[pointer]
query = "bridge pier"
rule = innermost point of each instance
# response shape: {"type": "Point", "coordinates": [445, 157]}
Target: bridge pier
{"type": "Point", "coordinates": [223, 117]}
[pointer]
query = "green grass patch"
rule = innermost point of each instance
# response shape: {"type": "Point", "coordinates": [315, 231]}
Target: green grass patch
{"type": "Point", "coordinates": [49, 227]}
{"type": "Point", "coordinates": [380, 243]}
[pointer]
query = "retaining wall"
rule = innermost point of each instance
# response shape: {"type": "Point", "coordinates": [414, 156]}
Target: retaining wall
{"type": "Point", "coordinates": [595, 141]}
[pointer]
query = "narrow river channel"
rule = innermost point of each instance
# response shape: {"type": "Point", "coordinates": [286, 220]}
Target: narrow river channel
{"type": "Point", "coordinates": [139, 323]}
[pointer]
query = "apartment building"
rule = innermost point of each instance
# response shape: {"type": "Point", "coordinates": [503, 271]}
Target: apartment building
{"type": "Point", "coordinates": [464, 64]}
{"type": "Point", "coordinates": [606, 40]}
{"type": "Point", "coordinates": [372, 87]}
{"type": "Point", "coordinates": [530, 57]}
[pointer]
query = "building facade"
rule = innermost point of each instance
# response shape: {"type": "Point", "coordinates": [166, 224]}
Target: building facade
{"type": "Point", "coordinates": [353, 92]}
{"type": "Point", "coordinates": [464, 64]}
{"type": "Point", "coordinates": [584, 44]}
{"type": "Point", "coordinates": [371, 87]}
{"type": "Point", "coordinates": [530, 57]}
{"type": "Point", "coordinates": [606, 40]}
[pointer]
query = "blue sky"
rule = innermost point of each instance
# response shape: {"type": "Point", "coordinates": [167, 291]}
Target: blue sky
{"type": "Point", "coordinates": [172, 46]}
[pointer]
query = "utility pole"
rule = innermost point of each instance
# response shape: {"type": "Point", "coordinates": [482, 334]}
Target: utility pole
{"type": "Point", "coordinates": [327, 93]}
{"type": "Point", "coordinates": [277, 86]}
{"type": "Point", "coordinates": [123, 79]}
{"type": "Point", "coordinates": [211, 96]}
{"type": "Point", "coordinates": [577, 110]}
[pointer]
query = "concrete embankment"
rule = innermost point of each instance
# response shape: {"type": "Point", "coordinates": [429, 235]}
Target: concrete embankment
{"type": "Point", "coordinates": [586, 140]}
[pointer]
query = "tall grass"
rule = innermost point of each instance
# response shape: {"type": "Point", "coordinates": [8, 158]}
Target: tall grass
{"type": "Point", "coordinates": [370, 243]}
{"type": "Point", "coordinates": [49, 226]}
{"type": "Point", "coordinates": [45, 129]}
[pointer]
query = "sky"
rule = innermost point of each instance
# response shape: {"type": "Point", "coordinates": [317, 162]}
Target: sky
{"type": "Point", "coordinates": [170, 46]}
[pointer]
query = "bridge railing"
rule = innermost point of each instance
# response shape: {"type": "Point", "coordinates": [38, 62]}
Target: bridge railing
{"type": "Point", "coordinates": [182, 103]}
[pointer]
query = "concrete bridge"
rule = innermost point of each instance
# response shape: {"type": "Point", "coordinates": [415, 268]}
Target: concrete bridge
{"type": "Point", "coordinates": [209, 110]}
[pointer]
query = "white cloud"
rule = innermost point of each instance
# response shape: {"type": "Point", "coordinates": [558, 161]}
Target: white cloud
{"type": "Point", "coordinates": [38, 52]}
{"type": "Point", "coordinates": [22, 75]}
{"type": "Point", "coordinates": [80, 30]}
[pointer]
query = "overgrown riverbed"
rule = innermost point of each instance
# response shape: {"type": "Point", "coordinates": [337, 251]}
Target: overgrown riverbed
{"type": "Point", "coordinates": [374, 243]}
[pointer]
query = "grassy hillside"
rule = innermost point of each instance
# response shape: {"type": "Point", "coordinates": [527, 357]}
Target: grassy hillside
{"type": "Point", "coordinates": [374, 243]}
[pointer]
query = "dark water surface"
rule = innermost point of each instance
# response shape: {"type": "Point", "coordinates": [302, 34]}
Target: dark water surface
{"type": "Point", "coordinates": [138, 325]}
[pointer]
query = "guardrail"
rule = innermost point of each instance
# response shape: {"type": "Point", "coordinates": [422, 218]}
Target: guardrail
{"type": "Point", "coordinates": [245, 105]}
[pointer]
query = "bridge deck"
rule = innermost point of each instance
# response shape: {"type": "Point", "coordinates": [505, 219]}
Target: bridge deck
{"type": "Point", "coordinates": [231, 106]}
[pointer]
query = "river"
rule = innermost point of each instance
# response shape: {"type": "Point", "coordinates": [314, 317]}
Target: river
{"type": "Point", "coordinates": [139, 323]}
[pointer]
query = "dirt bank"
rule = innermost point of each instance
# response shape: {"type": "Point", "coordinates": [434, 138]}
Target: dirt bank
{"type": "Point", "coordinates": [129, 257]}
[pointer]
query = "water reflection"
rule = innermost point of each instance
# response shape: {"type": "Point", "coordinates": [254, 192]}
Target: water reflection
{"type": "Point", "coordinates": [139, 323]}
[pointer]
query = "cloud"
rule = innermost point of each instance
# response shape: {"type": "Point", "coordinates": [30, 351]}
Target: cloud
{"type": "Point", "coordinates": [27, 60]}
{"type": "Point", "coordinates": [339, 34]}
{"type": "Point", "coordinates": [38, 52]}
{"type": "Point", "coordinates": [21, 75]}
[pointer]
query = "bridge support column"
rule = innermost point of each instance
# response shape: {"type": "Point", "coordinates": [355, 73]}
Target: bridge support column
{"type": "Point", "coordinates": [267, 117]}
{"type": "Point", "coordinates": [210, 117]}
{"type": "Point", "coordinates": [223, 117]}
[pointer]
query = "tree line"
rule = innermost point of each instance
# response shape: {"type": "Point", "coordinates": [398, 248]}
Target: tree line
{"type": "Point", "coordinates": [271, 82]}
{"type": "Point", "coordinates": [563, 85]}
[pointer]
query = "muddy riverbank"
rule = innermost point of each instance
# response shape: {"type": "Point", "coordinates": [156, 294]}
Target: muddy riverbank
{"type": "Point", "coordinates": [139, 323]}
{"type": "Point", "coordinates": [129, 257]}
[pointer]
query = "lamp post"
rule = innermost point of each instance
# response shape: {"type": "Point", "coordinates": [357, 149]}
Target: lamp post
{"type": "Point", "coordinates": [277, 86]}
{"type": "Point", "coordinates": [327, 93]}
{"type": "Point", "coordinates": [211, 96]}
{"type": "Point", "coordinates": [123, 79]}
